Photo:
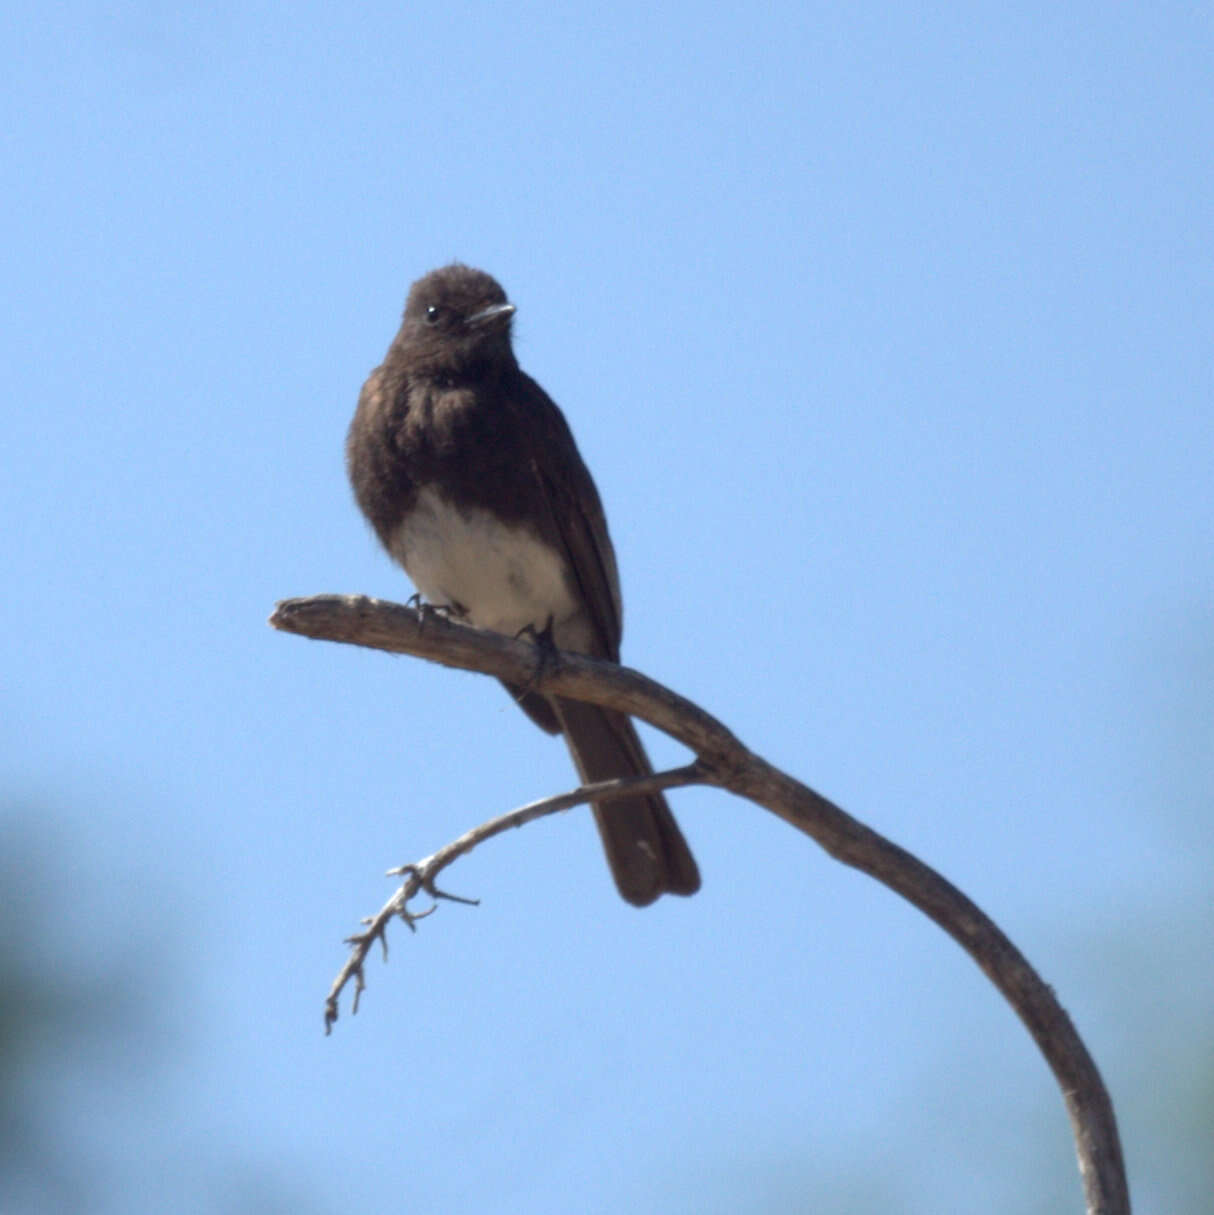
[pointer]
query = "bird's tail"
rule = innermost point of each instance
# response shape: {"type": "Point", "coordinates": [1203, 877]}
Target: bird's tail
{"type": "Point", "coordinates": [645, 848]}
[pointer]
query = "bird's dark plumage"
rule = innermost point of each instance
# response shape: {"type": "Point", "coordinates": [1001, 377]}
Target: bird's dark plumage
{"type": "Point", "coordinates": [471, 478]}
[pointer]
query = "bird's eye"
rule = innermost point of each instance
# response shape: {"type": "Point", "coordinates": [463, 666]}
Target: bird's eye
{"type": "Point", "coordinates": [434, 314]}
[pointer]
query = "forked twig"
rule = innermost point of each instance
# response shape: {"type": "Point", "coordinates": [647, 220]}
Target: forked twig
{"type": "Point", "coordinates": [420, 875]}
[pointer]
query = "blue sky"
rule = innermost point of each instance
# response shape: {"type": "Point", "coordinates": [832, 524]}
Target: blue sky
{"type": "Point", "coordinates": [886, 334]}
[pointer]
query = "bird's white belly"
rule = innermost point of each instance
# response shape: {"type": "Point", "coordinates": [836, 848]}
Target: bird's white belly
{"type": "Point", "coordinates": [503, 576]}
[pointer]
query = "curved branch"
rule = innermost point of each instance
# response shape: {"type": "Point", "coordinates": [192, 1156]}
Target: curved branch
{"type": "Point", "coordinates": [722, 760]}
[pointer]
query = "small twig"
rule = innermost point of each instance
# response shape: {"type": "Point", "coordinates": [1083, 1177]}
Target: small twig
{"type": "Point", "coordinates": [420, 875]}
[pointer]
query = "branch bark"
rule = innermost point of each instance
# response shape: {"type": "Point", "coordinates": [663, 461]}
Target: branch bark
{"type": "Point", "coordinates": [723, 761]}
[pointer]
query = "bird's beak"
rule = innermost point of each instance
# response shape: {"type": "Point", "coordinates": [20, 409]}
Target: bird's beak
{"type": "Point", "coordinates": [490, 315]}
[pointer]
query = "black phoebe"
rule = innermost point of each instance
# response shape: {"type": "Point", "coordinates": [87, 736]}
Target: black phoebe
{"type": "Point", "coordinates": [470, 476]}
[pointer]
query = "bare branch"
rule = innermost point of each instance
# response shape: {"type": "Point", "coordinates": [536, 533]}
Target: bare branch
{"type": "Point", "coordinates": [420, 875]}
{"type": "Point", "coordinates": [723, 761]}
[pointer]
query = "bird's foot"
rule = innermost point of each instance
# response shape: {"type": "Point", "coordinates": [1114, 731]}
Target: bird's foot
{"type": "Point", "coordinates": [449, 611]}
{"type": "Point", "coordinates": [546, 651]}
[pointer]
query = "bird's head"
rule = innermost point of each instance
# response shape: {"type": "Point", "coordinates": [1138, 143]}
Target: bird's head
{"type": "Point", "coordinates": [457, 318]}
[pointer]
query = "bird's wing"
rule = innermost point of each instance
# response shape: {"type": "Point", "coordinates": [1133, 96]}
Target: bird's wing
{"type": "Point", "coordinates": [579, 523]}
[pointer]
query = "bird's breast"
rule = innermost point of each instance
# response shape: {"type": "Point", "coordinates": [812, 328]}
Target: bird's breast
{"type": "Point", "coordinates": [501, 575]}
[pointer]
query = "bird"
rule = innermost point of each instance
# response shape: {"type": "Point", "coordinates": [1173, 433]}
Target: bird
{"type": "Point", "coordinates": [468, 473]}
